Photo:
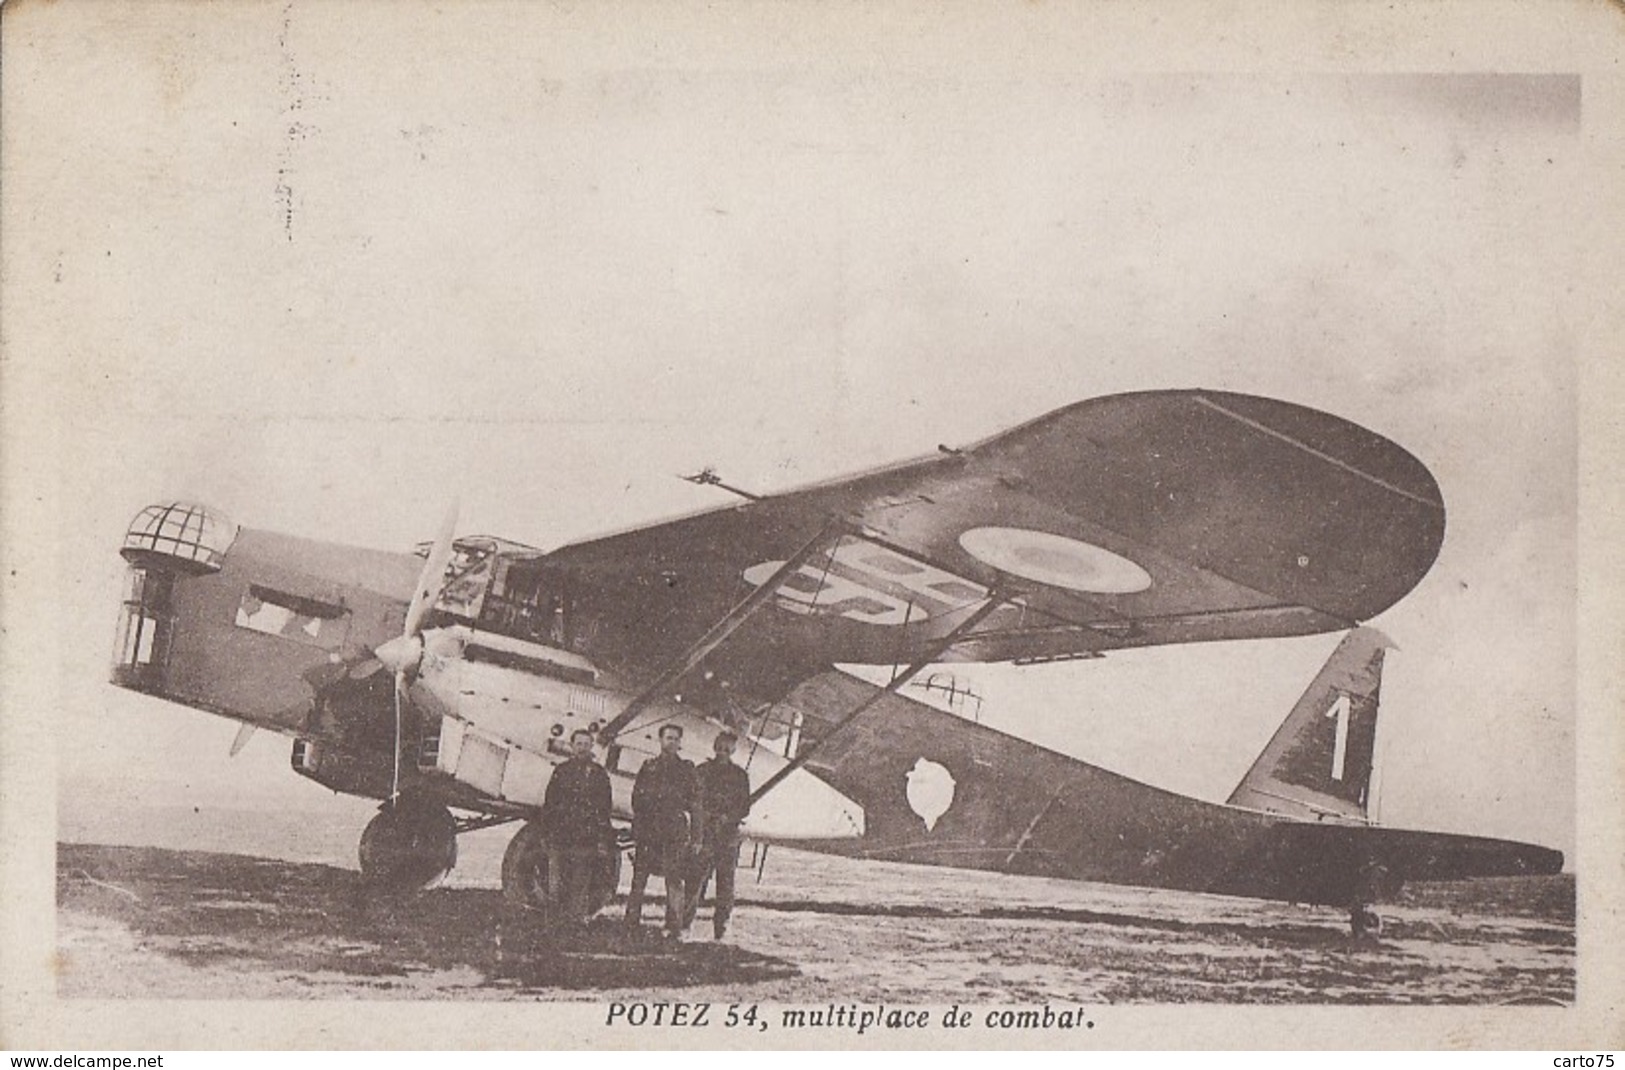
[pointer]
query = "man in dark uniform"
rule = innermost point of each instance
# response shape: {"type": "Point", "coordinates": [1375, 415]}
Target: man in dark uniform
{"type": "Point", "coordinates": [724, 800]}
{"type": "Point", "coordinates": [575, 814]}
{"type": "Point", "coordinates": [665, 800]}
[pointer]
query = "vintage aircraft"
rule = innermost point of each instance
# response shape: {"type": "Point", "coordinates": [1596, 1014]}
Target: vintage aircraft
{"type": "Point", "coordinates": [451, 683]}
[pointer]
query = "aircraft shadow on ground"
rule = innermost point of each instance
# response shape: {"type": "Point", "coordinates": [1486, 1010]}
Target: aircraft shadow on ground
{"type": "Point", "coordinates": [206, 908]}
{"type": "Point", "coordinates": [1327, 933]}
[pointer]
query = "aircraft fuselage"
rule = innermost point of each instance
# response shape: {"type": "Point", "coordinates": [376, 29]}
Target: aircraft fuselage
{"type": "Point", "coordinates": [278, 632]}
{"type": "Point", "coordinates": [940, 789]}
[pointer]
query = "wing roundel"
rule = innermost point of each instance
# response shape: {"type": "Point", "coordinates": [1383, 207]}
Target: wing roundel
{"type": "Point", "coordinates": [1128, 520]}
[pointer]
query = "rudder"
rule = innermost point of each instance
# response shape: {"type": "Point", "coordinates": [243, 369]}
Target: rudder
{"type": "Point", "coordinates": [1317, 766]}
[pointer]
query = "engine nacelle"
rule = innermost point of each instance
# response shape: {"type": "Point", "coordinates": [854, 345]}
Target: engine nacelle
{"type": "Point", "coordinates": [350, 772]}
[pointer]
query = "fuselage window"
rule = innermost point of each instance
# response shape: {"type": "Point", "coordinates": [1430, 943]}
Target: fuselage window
{"type": "Point", "coordinates": [145, 627]}
{"type": "Point", "coordinates": [291, 616]}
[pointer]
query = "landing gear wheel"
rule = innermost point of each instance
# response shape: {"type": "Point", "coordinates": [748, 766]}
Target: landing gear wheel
{"type": "Point", "coordinates": [1372, 884]}
{"type": "Point", "coordinates": [525, 870]}
{"type": "Point", "coordinates": [411, 844]}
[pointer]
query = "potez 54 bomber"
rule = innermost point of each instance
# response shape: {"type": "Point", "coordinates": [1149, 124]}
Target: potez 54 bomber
{"type": "Point", "coordinates": [446, 683]}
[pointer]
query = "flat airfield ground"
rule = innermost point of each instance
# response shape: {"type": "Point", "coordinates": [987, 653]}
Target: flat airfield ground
{"type": "Point", "coordinates": [248, 905]}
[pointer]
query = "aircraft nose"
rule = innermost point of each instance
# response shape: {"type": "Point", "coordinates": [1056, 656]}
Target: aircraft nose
{"type": "Point", "coordinates": [802, 807]}
{"type": "Point", "coordinates": [400, 654]}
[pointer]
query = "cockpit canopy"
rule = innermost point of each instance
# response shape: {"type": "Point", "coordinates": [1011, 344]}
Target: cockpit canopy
{"type": "Point", "coordinates": [179, 535]}
{"type": "Point", "coordinates": [506, 587]}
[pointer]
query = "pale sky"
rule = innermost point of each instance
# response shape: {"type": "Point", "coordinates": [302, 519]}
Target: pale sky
{"type": "Point", "coordinates": [547, 273]}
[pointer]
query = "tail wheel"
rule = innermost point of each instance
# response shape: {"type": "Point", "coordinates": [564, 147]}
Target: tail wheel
{"type": "Point", "coordinates": [409, 845]}
{"type": "Point", "coordinates": [1371, 884]}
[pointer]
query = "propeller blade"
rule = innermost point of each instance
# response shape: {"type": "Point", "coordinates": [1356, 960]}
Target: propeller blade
{"type": "Point", "coordinates": [241, 740]}
{"type": "Point", "coordinates": [363, 669]}
{"type": "Point", "coordinates": [403, 654]}
{"type": "Point", "coordinates": [395, 781]}
{"type": "Point", "coordinates": [290, 717]}
{"type": "Point", "coordinates": [433, 576]}
{"type": "Point", "coordinates": [323, 675]}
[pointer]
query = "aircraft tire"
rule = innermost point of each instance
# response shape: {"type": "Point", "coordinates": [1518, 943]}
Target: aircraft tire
{"type": "Point", "coordinates": [525, 866]}
{"type": "Point", "coordinates": [408, 845]}
{"type": "Point", "coordinates": [524, 869]}
{"type": "Point", "coordinates": [1364, 922]}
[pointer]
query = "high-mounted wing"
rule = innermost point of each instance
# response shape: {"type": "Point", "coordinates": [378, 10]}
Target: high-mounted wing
{"type": "Point", "coordinates": [1128, 520]}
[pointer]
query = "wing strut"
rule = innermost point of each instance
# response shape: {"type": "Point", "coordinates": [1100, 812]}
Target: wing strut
{"type": "Point", "coordinates": [719, 631]}
{"type": "Point", "coordinates": [931, 654]}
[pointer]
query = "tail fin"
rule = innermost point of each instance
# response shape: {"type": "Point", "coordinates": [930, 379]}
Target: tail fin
{"type": "Point", "coordinates": [1318, 763]}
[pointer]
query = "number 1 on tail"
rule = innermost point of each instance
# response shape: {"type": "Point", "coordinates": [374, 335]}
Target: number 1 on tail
{"type": "Point", "coordinates": [1340, 710]}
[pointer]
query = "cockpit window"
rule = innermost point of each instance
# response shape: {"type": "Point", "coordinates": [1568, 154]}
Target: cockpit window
{"type": "Point", "coordinates": [529, 601]}
{"type": "Point", "coordinates": [470, 571]}
{"type": "Point", "coordinates": [465, 589]}
{"type": "Point", "coordinates": [502, 586]}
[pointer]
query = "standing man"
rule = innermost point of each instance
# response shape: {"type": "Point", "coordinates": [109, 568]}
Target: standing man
{"type": "Point", "coordinates": [725, 800]}
{"type": "Point", "coordinates": [575, 815]}
{"type": "Point", "coordinates": [665, 802]}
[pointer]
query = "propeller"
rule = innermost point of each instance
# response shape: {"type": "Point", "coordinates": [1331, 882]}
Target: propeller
{"type": "Point", "coordinates": [403, 654]}
{"type": "Point", "coordinates": [433, 576]}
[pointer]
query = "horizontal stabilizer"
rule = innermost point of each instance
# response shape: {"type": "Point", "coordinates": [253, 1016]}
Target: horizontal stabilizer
{"type": "Point", "coordinates": [1330, 863]}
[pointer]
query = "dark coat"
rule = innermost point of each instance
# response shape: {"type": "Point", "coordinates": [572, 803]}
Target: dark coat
{"type": "Point", "coordinates": [665, 798]}
{"type": "Point", "coordinates": [724, 795]}
{"type": "Point", "coordinates": [576, 808]}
